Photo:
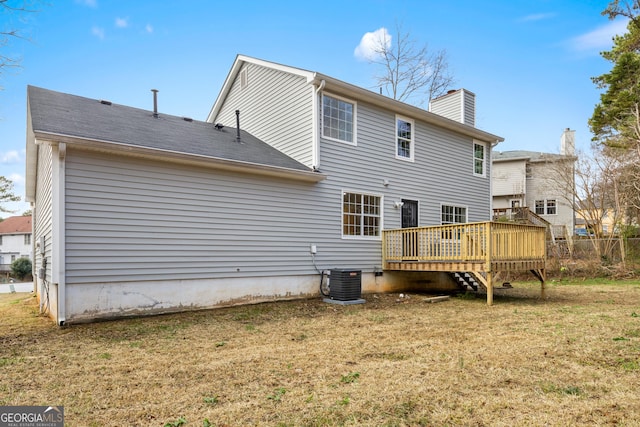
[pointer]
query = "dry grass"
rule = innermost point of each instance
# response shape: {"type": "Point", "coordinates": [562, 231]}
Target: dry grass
{"type": "Point", "coordinates": [572, 359]}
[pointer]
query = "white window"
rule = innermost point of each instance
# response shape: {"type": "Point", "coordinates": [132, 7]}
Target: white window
{"type": "Point", "coordinates": [479, 159]}
{"type": "Point", "coordinates": [361, 215]}
{"type": "Point", "coordinates": [546, 207]}
{"type": "Point", "coordinates": [27, 239]}
{"type": "Point", "coordinates": [551, 207]}
{"type": "Point", "coordinates": [404, 138]}
{"type": "Point", "coordinates": [338, 119]}
{"type": "Point", "coordinates": [451, 214]}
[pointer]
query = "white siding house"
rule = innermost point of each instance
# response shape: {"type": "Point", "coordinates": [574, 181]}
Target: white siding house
{"type": "Point", "coordinates": [15, 240]}
{"type": "Point", "coordinates": [140, 212]}
{"type": "Point", "coordinates": [531, 179]}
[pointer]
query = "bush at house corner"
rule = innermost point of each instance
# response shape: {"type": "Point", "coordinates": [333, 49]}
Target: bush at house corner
{"type": "Point", "coordinates": [21, 267]}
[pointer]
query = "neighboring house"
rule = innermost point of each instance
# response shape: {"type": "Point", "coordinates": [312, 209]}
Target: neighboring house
{"type": "Point", "coordinates": [15, 240]}
{"type": "Point", "coordinates": [531, 180]}
{"type": "Point", "coordinates": [293, 173]}
{"type": "Point", "coordinates": [595, 221]}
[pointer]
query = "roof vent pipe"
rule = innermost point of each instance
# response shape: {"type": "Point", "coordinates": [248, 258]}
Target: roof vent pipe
{"type": "Point", "coordinates": [155, 102]}
{"type": "Point", "coordinates": [238, 125]}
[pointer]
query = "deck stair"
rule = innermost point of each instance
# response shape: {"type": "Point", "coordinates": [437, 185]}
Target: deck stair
{"type": "Point", "coordinates": [480, 250]}
{"type": "Point", "coordinates": [465, 280]}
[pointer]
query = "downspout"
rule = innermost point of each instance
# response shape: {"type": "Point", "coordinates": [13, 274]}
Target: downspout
{"type": "Point", "coordinates": [315, 120]}
{"type": "Point", "coordinates": [58, 272]}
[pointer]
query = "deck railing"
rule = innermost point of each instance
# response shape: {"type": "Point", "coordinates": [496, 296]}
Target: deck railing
{"type": "Point", "coordinates": [519, 215]}
{"type": "Point", "coordinates": [469, 242]}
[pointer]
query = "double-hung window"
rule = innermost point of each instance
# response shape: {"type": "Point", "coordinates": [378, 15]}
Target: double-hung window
{"type": "Point", "coordinates": [546, 207]}
{"type": "Point", "coordinates": [361, 215]}
{"type": "Point", "coordinates": [451, 214]}
{"type": "Point", "coordinates": [338, 119]}
{"type": "Point", "coordinates": [404, 138]}
{"type": "Point", "coordinates": [479, 159]}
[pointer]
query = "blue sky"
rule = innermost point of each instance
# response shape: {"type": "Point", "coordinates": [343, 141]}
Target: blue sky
{"type": "Point", "coordinates": [529, 62]}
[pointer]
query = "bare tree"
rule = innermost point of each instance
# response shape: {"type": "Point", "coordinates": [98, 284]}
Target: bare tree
{"type": "Point", "coordinates": [409, 72]}
{"type": "Point", "coordinates": [8, 9]}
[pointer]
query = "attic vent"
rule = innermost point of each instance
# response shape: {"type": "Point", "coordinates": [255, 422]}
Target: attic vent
{"type": "Point", "coordinates": [244, 79]}
{"type": "Point", "coordinates": [105, 102]}
{"type": "Point", "coordinates": [187, 119]}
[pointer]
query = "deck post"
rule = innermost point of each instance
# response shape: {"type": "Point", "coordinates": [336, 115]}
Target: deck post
{"type": "Point", "coordinates": [489, 288]}
{"type": "Point", "coordinates": [488, 255]}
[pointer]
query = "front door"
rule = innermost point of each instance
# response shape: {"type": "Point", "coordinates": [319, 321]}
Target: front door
{"type": "Point", "coordinates": [409, 220]}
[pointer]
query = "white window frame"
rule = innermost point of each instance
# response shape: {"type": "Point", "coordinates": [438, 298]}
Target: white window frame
{"type": "Point", "coordinates": [555, 206]}
{"type": "Point", "coordinates": [411, 139]}
{"type": "Point", "coordinates": [484, 159]}
{"type": "Point", "coordinates": [466, 213]}
{"type": "Point", "coordinates": [354, 119]}
{"type": "Point", "coordinates": [361, 236]}
{"type": "Point", "coordinates": [545, 206]}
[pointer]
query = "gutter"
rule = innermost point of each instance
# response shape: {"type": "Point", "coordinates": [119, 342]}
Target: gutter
{"type": "Point", "coordinates": [184, 158]}
{"type": "Point", "coordinates": [356, 92]}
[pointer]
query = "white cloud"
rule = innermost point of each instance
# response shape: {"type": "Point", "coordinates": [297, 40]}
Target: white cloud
{"type": "Point", "coordinates": [537, 17]}
{"type": "Point", "coordinates": [148, 28]}
{"type": "Point", "coordinates": [17, 179]}
{"type": "Point", "coordinates": [371, 43]}
{"type": "Point", "coordinates": [98, 32]}
{"type": "Point", "coordinates": [122, 22]}
{"type": "Point", "coordinates": [600, 38]}
{"type": "Point", "coordinates": [10, 157]}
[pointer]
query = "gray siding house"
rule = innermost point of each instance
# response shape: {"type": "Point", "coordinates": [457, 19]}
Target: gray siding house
{"type": "Point", "coordinates": [293, 173]}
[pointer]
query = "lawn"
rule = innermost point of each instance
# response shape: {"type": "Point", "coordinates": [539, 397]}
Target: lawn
{"type": "Point", "coordinates": [572, 359]}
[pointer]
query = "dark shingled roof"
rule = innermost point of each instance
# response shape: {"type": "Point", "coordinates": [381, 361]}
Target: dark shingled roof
{"type": "Point", "coordinates": [85, 118]}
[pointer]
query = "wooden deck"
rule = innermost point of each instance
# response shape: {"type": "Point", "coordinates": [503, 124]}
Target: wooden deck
{"type": "Point", "coordinates": [482, 248]}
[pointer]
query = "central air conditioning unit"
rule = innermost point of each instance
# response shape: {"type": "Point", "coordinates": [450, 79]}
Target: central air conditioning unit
{"type": "Point", "coordinates": [345, 286]}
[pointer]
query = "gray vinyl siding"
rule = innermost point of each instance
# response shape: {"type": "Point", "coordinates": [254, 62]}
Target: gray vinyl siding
{"type": "Point", "coordinates": [275, 107]}
{"type": "Point", "coordinates": [442, 171]}
{"type": "Point", "coordinates": [448, 106]}
{"type": "Point", "coordinates": [132, 220]}
{"type": "Point", "coordinates": [43, 214]}
{"type": "Point", "coordinates": [459, 106]}
{"type": "Point", "coordinates": [469, 108]}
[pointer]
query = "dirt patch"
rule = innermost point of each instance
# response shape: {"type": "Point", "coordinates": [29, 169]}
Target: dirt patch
{"type": "Point", "coordinates": [571, 359]}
